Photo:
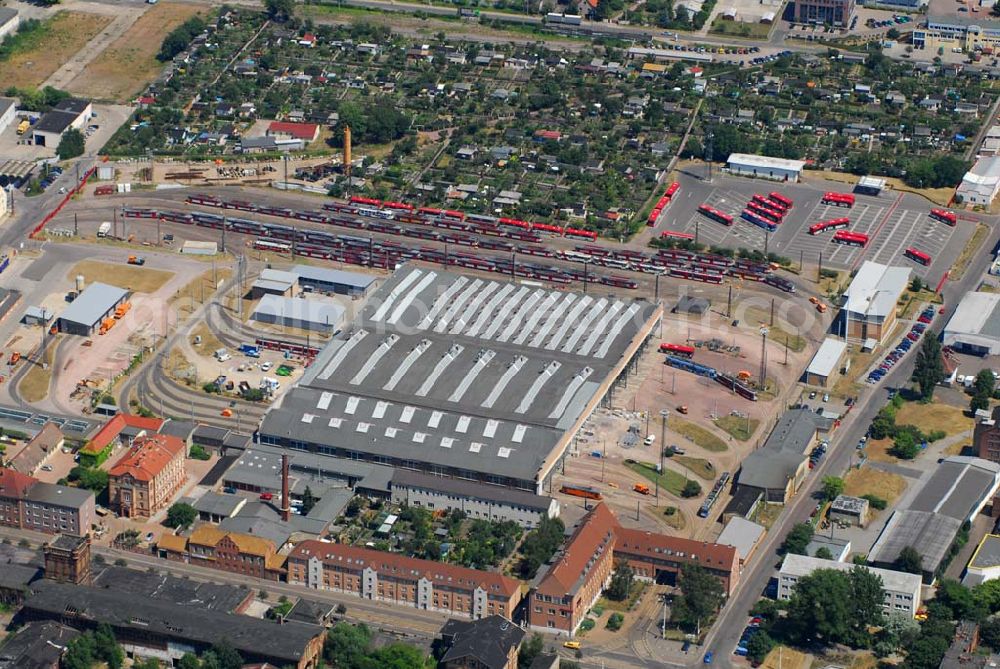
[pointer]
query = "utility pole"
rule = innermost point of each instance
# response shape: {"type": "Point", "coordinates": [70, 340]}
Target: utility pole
{"type": "Point", "coordinates": [772, 312]}
{"type": "Point", "coordinates": [697, 229]}
{"type": "Point", "coordinates": [802, 260]}
{"type": "Point", "coordinates": [76, 227]}
{"type": "Point", "coordinates": [763, 357]}
{"type": "Point", "coordinates": [819, 269]}
{"type": "Point", "coordinates": [656, 293]}
{"type": "Point", "coordinates": [114, 222]}
{"type": "Point", "coordinates": [663, 440]}
{"type": "Point", "coordinates": [159, 238]}
{"type": "Point", "coordinates": [586, 264]}
{"type": "Point", "coordinates": [729, 304]}
{"type": "Point", "coordinates": [225, 223]}
{"type": "Point", "coordinates": [708, 153]}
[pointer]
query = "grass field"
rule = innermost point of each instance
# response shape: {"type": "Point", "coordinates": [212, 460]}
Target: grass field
{"type": "Point", "coordinates": [723, 26]}
{"type": "Point", "coordinates": [131, 277]}
{"type": "Point", "coordinates": [129, 63]}
{"type": "Point", "coordinates": [784, 657]}
{"type": "Point", "coordinates": [59, 39]}
{"type": "Point", "coordinates": [970, 250]}
{"type": "Point", "coordinates": [740, 428]}
{"type": "Point", "coordinates": [34, 387]}
{"type": "Point", "coordinates": [698, 435]}
{"type": "Point", "coordinates": [700, 466]}
{"type": "Point", "coordinates": [869, 481]}
{"type": "Point", "coordinates": [190, 296]}
{"type": "Point", "coordinates": [669, 479]}
{"type": "Point", "coordinates": [934, 416]}
{"type": "Point", "coordinates": [209, 342]}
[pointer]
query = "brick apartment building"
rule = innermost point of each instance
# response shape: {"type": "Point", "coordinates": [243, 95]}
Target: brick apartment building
{"type": "Point", "coordinates": [28, 504]}
{"type": "Point", "coordinates": [147, 477]}
{"type": "Point", "coordinates": [986, 438]}
{"type": "Point", "coordinates": [397, 579]}
{"type": "Point", "coordinates": [563, 594]}
{"type": "Point", "coordinates": [565, 591]}
{"type": "Point", "coordinates": [234, 552]}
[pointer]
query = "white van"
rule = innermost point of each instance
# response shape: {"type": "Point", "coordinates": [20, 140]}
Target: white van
{"type": "Point", "coordinates": [650, 438]}
{"type": "Point", "coordinates": [222, 355]}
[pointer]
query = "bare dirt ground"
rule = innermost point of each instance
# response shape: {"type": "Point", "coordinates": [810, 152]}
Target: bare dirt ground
{"type": "Point", "coordinates": [655, 387]}
{"type": "Point", "coordinates": [127, 64]}
{"type": "Point", "coordinates": [67, 34]}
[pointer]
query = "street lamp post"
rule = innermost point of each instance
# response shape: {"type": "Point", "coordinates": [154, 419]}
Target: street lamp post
{"type": "Point", "coordinates": [663, 439]}
{"type": "Point", "coordinates": [763, 357]}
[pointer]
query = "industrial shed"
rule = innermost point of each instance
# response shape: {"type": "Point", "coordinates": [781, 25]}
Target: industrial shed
{"type": "Point", "coordinates": [95, 303]}
{"type": "Point", "coordinates": [956, 493]}
{"type": "Point", "coordinates": [273, 282]}
{"type": "Point", "coordinates": [826, 362]}
{"type": "Point", "coordinates": [294, 312]}
{"type": "Point", "coordinates": [765, 167]}
{"type": "Point", "coordinates": [975, 326]}
{"type": "Point", "coordinates": [337, 281]}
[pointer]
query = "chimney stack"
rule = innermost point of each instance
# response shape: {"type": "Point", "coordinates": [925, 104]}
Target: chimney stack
{"type": "Point", "coordinates": [286, 506]}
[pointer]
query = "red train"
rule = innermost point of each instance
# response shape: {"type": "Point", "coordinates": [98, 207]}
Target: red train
{"type": "Point", "coordinates": [677, 349]}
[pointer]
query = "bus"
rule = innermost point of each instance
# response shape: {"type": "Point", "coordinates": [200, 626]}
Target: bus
{"type": "Point", "coordinates": [677, 349]}
{"type": "Point", "coordinates": [766, 212]}
{"type": "Point", "coordinates": [839, 199]}
{"type": "Point", "coordinates": [944, 216]}
{"type": "Point", "coordinates": [575, 232]}
{"type": "Point", "coordinates": [759, 221]}
{"type": "Point", "coordinates": [831, 224]}
{"type": "Point", "coordinates": [918, 256]}
{"type": "Point", "coordinates": [671, 190]}
{"type": "Point", "coordinates": [581, 491]}
{"type": "Point", "coordinates": [851, 238]}
{"type": "Point", "coordinates": [653, 215]}
{"type": "Point", "coordinates": [780, 199]}
{"type": "Point", "coordinates": [715, 214]}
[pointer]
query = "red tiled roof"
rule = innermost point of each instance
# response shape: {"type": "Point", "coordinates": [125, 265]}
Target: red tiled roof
{"type": "Point", "coordinates": [15, 485]}
{"type": "Point", "coordinates": [297, 130]}
{"type": "Point", "coordinates": [595, 530]}
{"type": "Point", "coordinates": [148, 456]}
{"type": "Point", "coordinates": [640, 542]}
{"type": "Point", "coordinates": [114, 427]}
{"type": "Point", "coordinates": [438, 573]}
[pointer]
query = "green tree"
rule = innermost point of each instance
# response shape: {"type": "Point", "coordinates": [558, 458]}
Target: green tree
{"type": "Point", "coordinates": [833, 487]}
{"type": "Point", "coordinates": [188, 661]}
{"type": "Point", "coordinates": [982, 390]}
{"type": "Point", "coordinates": [181, 515]}
{"type": "Point", "coordinates": [93, 479]}
{"type": "Point", "coordinates": [347, 645]}
{"type": "Point", "coordinates": [929, 370]}
{"type": "Point", "coordinates": [621, 582]}
{"type": "Point", "coordinates": [701, 596]}
{"type": "Point", "coordinates": [71, 145]}
{"type": "Point", "coordinates": [81, 652]}
{"type": "Point", "coordinates": [530, 649]}
{"type": "Point", "coordinates": [867, 598]}
{"type": "Point", "coordinates": [798, 539]}
{"type": "Point", "coordinates": [540, 544]}
{"type": "Point", "coordinates": [959, 600]}
{"type": "Point", "coordinates": [308, 501]}
{"type": "Point", "coordinates": [106, 648]}
{"type": "Point", "coordinates": [280, 10]}
{"type": "Point", "coordinates": [759, 646]}
{"type": "Point", "coordinates": [909, 561]}
{"type": "Point", "coordinates": [989, 633]}
{"type": "Point", "coordinates": [397, 656]}
{"type": "Point", "coordinates": [917, 284]}
{"type": "Point", "coordinates": [926, 652]}
{"type": "Point", "coordinates": [823, 553]}
{"type": "Point", "coordinates": [227, 656]}
{"type": "Point", "coordinates": [691, 489]}
{"type": "Point", "coordinates": [820, 608]}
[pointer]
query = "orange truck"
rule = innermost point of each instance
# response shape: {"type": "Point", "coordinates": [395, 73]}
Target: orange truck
{"type": "Point", "coordinates": [106, 325]}
{"type": "Point", "coordinates": [122, 309]}
{"type": "Point", "coordinates": [641, 488]}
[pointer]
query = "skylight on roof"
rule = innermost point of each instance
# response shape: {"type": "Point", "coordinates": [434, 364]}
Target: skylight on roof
{"type": "Point", "coordinates": [380, 408]}
{"type": "Point", "coordinates": [419, 437]}
{"type": "Point", "coordinates": [352, 405]}
{"type": "Point", "coordinates": [390, 432]}
{"type": "Point", "coordinates": [407, 414]}
{"type": "Point", "coordinates": [463, 424]}
{"type": "Point", "coordinates": [519, 433]}
{"type": "Point", "coordinates": [475, 447]}
{"type": "Point", "coordinates": [336, 422]}
{"type": "Point", "coordinates": [491, 428]}
{"type": "Point", "coordinates": [434, 420]}
{"type": "Point", "coordinates": [504, 452]}
{"type": "Point", "coordinates": [446, 442]}
{"type": "Point", "coordinates": [307, 417]}
{"type": "Point", "coordinates": [363, 427]}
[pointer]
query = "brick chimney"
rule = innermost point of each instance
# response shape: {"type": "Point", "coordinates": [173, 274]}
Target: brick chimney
{"type": "Point", "coordinates": [286, 507]}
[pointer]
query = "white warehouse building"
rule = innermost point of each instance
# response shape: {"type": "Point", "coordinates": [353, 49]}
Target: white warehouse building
{"type": "Point", "coordinates": [981, 184]}
{"type": "Point", "coordinates": [902, 590]}
{"type": "Point", "coordinates": [974, 328]}
{"type": "Point", "coordinates": [765, 167]}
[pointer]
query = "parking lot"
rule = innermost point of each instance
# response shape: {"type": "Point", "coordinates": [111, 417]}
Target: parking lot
{"type": "Point", "coordinates": [893, 221]}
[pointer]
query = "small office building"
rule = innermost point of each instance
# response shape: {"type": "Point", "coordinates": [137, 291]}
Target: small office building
{"type": "Point", "coordinates": [84, 315]}
{"type": "Point", "coordinates": [324, 280]}
{"type": "Point", "coordinates": [273, 282]}
{"type": "Point", "coordinates": [826, 363]}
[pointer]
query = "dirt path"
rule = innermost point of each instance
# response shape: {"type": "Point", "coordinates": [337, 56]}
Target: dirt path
{"type": "Point", "coordinates": [125, 16]}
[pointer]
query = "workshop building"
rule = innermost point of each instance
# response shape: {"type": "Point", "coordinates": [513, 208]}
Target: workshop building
{"type": "Point", "coordinates": [293, 312]}
{"type": "Point", "coordinates": [273, 282]}
{"type": "Point", "coordinates": [765, 167]}
{"type": "Point", "coordinates": [84, 315]}
{"type": "Point", "coordinates": [827, 362]}
{"type": "Point", "coordinates": [70, 113]}
{"type": "Point", "coordinates": [869, 308]}
{"type": "Point", "coordinates": [974, 328]}
{"type": "Point", "coordinates": [325, 280]}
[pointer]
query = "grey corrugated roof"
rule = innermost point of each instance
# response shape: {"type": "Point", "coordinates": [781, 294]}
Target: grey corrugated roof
{"type": "Point", "coordinates": [55, 122]}
{"type": "Point", "coordinates": [305, 310]}
{"type": "Point", "coordinates": [988, 553]}
{"type": "Point", "coordinates": [90, 305]}
{"type": "Point", "coordinates": [180, 591]}
{"type": "Point", "coordinates": [37, 645]}
{"type": "Point", "coordinates": [253, 638]}
{"type": "Point", "coordinates": [404, 478]}
{"type": "Point", "coordinates": [772, 465]}
{"type": "Point", "coordinates": [333, 276]}
{"type": "Point", "coordinates": [49, 493]}
{"type": "Point", "coordinates": [219, 505]}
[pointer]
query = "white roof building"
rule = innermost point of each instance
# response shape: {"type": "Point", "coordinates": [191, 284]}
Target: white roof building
{"type": "Point", "coordinates": [975, 326]}
{"type": "Point", "coordinates": [981, 184]}
{"type": "Point", "coordinates": [869, 308]}
{"type": "Point", "coordinates": [742, 535]}
{"type": "Point", "coordinates": [766, 167]}
{"type": "Point", "coordinates": [902, 590]}
{"type": "Point", "coordinates": [826, 361]}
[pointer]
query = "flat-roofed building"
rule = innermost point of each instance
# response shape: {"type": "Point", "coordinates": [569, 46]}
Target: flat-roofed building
{"type": "Point", "coordinates": [326, 280]}
{"type": "Point", "coordinates": [397, 579]}
{"type": "Point", "coordinates": [849, 510]}
{"type": "Point", "coordinates": [273, 282]}
{"type": "Point", "coordinates": [981, 184]}
{"type": "Point", "coordinates": [974, 328]}
{"type": "Point", "coordinates": [902, 590]}
{"type": "Point", "coordinates": [743, 535]}
{"type": "Point", "coordinates": [821, 12]}
{"type": "Point", "coordinates": [985, 562]}
{"type": "Point", "coordinates": [9, 21]}
{"type": "Point", "coordinates": [292, 312]}
{"type": "Point", "coordinates": [869, 308]}
{"type": "Point", "coordinates": [767, 167]}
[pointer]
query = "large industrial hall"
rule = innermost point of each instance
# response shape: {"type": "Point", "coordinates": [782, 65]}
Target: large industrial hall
{"type": "Point", "coordinates": [462, 376]}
